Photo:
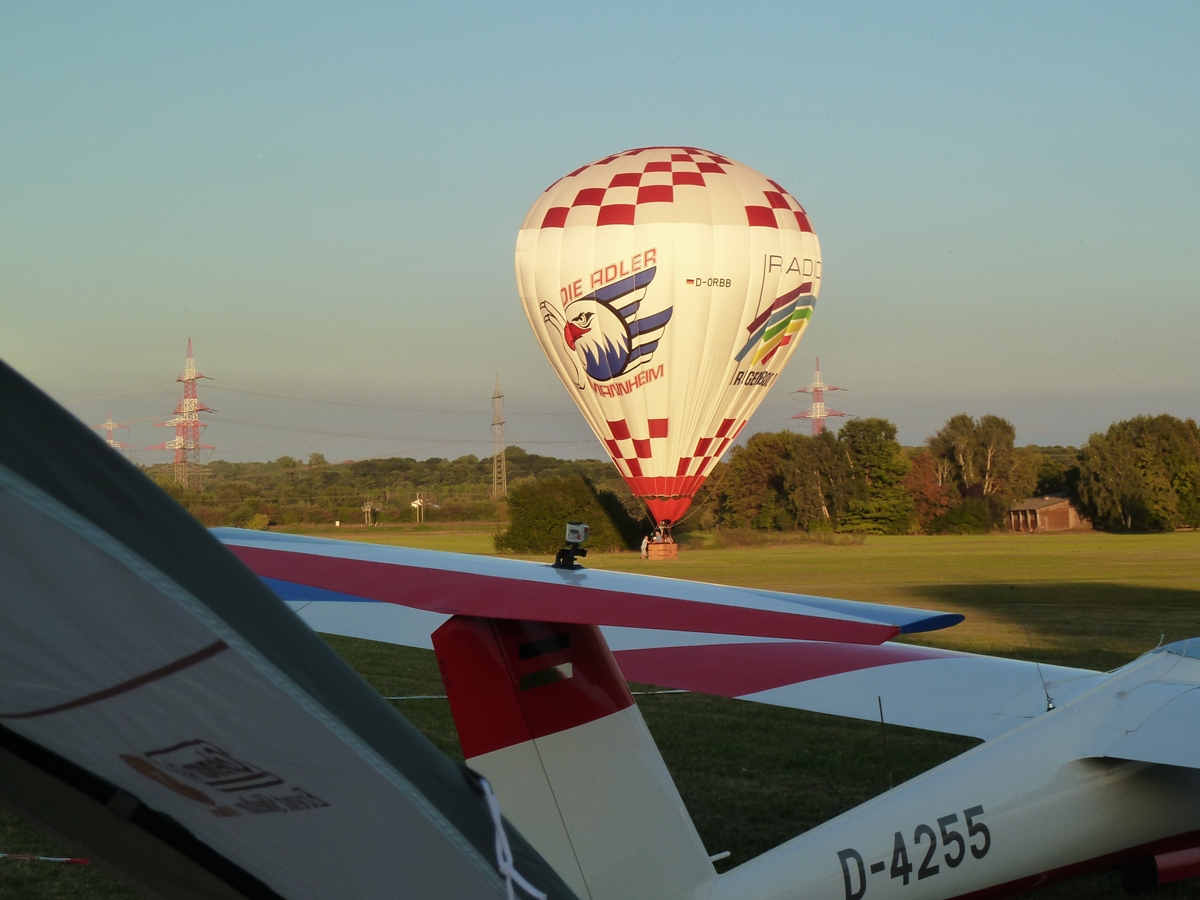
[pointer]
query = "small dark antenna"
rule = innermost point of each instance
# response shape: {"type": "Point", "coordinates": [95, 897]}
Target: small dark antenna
{"type": "Point", "coordinates": [887, 757]}
{"type": "Point", "coordinates": [1045, 690]}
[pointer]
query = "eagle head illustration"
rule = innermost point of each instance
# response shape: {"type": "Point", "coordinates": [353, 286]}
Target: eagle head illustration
{"type": "Point", "coordinates": [598, 336]}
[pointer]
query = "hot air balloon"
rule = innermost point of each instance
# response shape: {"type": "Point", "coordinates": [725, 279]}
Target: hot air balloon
{"type": "Point", "coordinates": [668, 287]}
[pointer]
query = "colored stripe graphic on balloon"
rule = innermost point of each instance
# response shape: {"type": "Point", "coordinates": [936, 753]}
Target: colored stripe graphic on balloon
{"type": "Point", "coordinates": [780, 302]}
{"type": "Point", "coordinates": [776, 322]}
{"type": "Point", "coordinates": [778, 335]}
{"type": "Point", "coordinates": [695, 214]}
{"type": "Point", "coordinates": [762, 333]}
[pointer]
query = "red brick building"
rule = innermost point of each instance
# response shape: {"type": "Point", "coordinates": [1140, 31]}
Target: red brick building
{"type": "Point", "coordinates": [1052, 513]}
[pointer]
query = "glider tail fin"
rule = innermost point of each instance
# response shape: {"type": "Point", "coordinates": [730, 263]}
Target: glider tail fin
{"type": "Point", "coordinates": [543, 712]}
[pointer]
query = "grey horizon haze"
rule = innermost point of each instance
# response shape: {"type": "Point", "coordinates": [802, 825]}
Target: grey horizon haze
{"type": "Point", "coordinates": [326, 200]}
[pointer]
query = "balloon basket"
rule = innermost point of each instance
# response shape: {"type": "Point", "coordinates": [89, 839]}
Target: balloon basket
{"type": "Point", "coordinates": [662, 551]}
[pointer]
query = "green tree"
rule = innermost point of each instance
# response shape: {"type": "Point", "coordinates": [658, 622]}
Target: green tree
{"type": "Point", "coordinates": [956, 444]}
{"type": "Point", "coordinates": [994, 439]}
{"type": "Point", "coordinates": [539, 511]}
{"type": "Point", "coordinates": [1057, 469]}
{"type": "Point", "coordinates": [320, 492]}
{"type": "Point", "coordinates": [972, 516]}
{"type": "Point", "coordinates": [1142, 474]}
{"type": "Point", "coordinates": [1024, 467]}
{"type": "Point", "coordinates": [816, 480]}
{"type": "Point", "coordinates": [288, 466]}
{"type": "Point", "coordinates": [878, 503]}
{"type": "Point", "coordinates": [754, 486]}
{"type": "Point", "coordinates": [849, 481]}
{"type": "Point", "coordinates": [1110, 485]}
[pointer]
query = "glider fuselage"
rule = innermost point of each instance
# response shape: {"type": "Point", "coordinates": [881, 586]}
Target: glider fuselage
{"type": "Point", "coordinates": [1041, 803]}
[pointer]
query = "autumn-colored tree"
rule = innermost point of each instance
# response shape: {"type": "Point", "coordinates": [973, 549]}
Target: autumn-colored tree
{"type": "Point", "coordinates": [977, 459]}
{"type": "Point", "coordinates": [931, 495]}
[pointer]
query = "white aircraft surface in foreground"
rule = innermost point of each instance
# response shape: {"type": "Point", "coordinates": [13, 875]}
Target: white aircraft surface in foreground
{"type": "Point", "coordinates": [1079, 771]}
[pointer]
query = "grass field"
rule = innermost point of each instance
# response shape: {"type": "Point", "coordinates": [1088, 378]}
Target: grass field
{"type": "Point", "coordinates": [754, 776]}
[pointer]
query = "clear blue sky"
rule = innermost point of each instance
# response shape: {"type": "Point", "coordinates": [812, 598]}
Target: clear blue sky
{"type": "Point", "coordinates": [326, 199]}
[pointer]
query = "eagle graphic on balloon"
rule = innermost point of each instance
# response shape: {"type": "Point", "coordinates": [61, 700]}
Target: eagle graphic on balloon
{"type": "Point", "coordinates": [604, 333]}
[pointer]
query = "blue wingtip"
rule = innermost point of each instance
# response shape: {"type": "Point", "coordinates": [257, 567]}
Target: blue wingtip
{"type": "Point", "coordinates": [932, 623]}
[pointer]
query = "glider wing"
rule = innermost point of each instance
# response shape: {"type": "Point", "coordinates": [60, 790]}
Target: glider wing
{"type": "Point", "coordinates": [1153, 711]}
{"type": "Point", "coordinates": [306, 570]}
{"type": "Point", "coordinates": [159, 706]}
{"type": "Point", "coordinates": [698, 637]}
{"type": "Point", "coordinates": [906, 684]}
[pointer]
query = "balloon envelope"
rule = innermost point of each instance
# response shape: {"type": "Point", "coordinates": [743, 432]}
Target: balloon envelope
{"type": "Point", "coordinates": [668, 287]}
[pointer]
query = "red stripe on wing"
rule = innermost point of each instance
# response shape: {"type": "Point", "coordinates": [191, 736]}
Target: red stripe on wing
{"type": "Point", "coordinates": [470, 594]}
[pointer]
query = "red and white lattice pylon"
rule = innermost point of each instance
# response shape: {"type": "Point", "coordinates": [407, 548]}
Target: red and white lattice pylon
{"type": "Point", "coordinates": [110, 426]}
{"type": "Point", "coordinates": [187, 425]}
{"type": "Point", "coordinates": [819, 412]}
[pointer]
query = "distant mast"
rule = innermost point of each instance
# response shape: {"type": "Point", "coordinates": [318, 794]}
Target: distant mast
{"type": "Point", "coordinates": [187, 425]}
{"type": "Point", "coordinates": [111, 426]}
{"type": "Point", "coordinates": [499, 466]}
{"type": "Point", "coordinates": [819, 412]}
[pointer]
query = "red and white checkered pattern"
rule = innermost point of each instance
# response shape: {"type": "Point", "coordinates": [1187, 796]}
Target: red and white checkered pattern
{"type": "Point", "coordinates": [616, 189]}
{"type": "Point", "coordinates": [627, 451]}
{"type": "Point", "coordinates": [708, 450]}
{"type": "Point", "coordinates": [721, 244]}
{"type": "Point", "coordinates": [781, 206]}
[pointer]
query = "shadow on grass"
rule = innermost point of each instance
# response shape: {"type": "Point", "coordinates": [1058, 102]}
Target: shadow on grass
{"type": "Point", "coordinates": [1098, 625]}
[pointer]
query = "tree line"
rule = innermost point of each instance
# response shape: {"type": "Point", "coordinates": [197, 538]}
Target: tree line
{"type": "Point", "coordinates": [861, 480]}
{"type": "Point", "coordinates": [1142, 474]}
{"type": "Point", "coordinates": [287, 491]}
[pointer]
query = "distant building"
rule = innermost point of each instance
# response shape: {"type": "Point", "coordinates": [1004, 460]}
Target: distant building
{"type": "Point", "coordinates": [1050, 513]}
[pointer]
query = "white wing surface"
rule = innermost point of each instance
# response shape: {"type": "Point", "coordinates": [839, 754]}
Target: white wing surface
{"type": "Point", "coordinates": [162, 708]}
{"type": "Point", "coordinates": [698, 637]}
{"type": "Point", "coordinates": [1149, 710]}
{"type": "Point", "coordinates": [306, 570]}
{"type": "Point", "coordinates": [920, 687]}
